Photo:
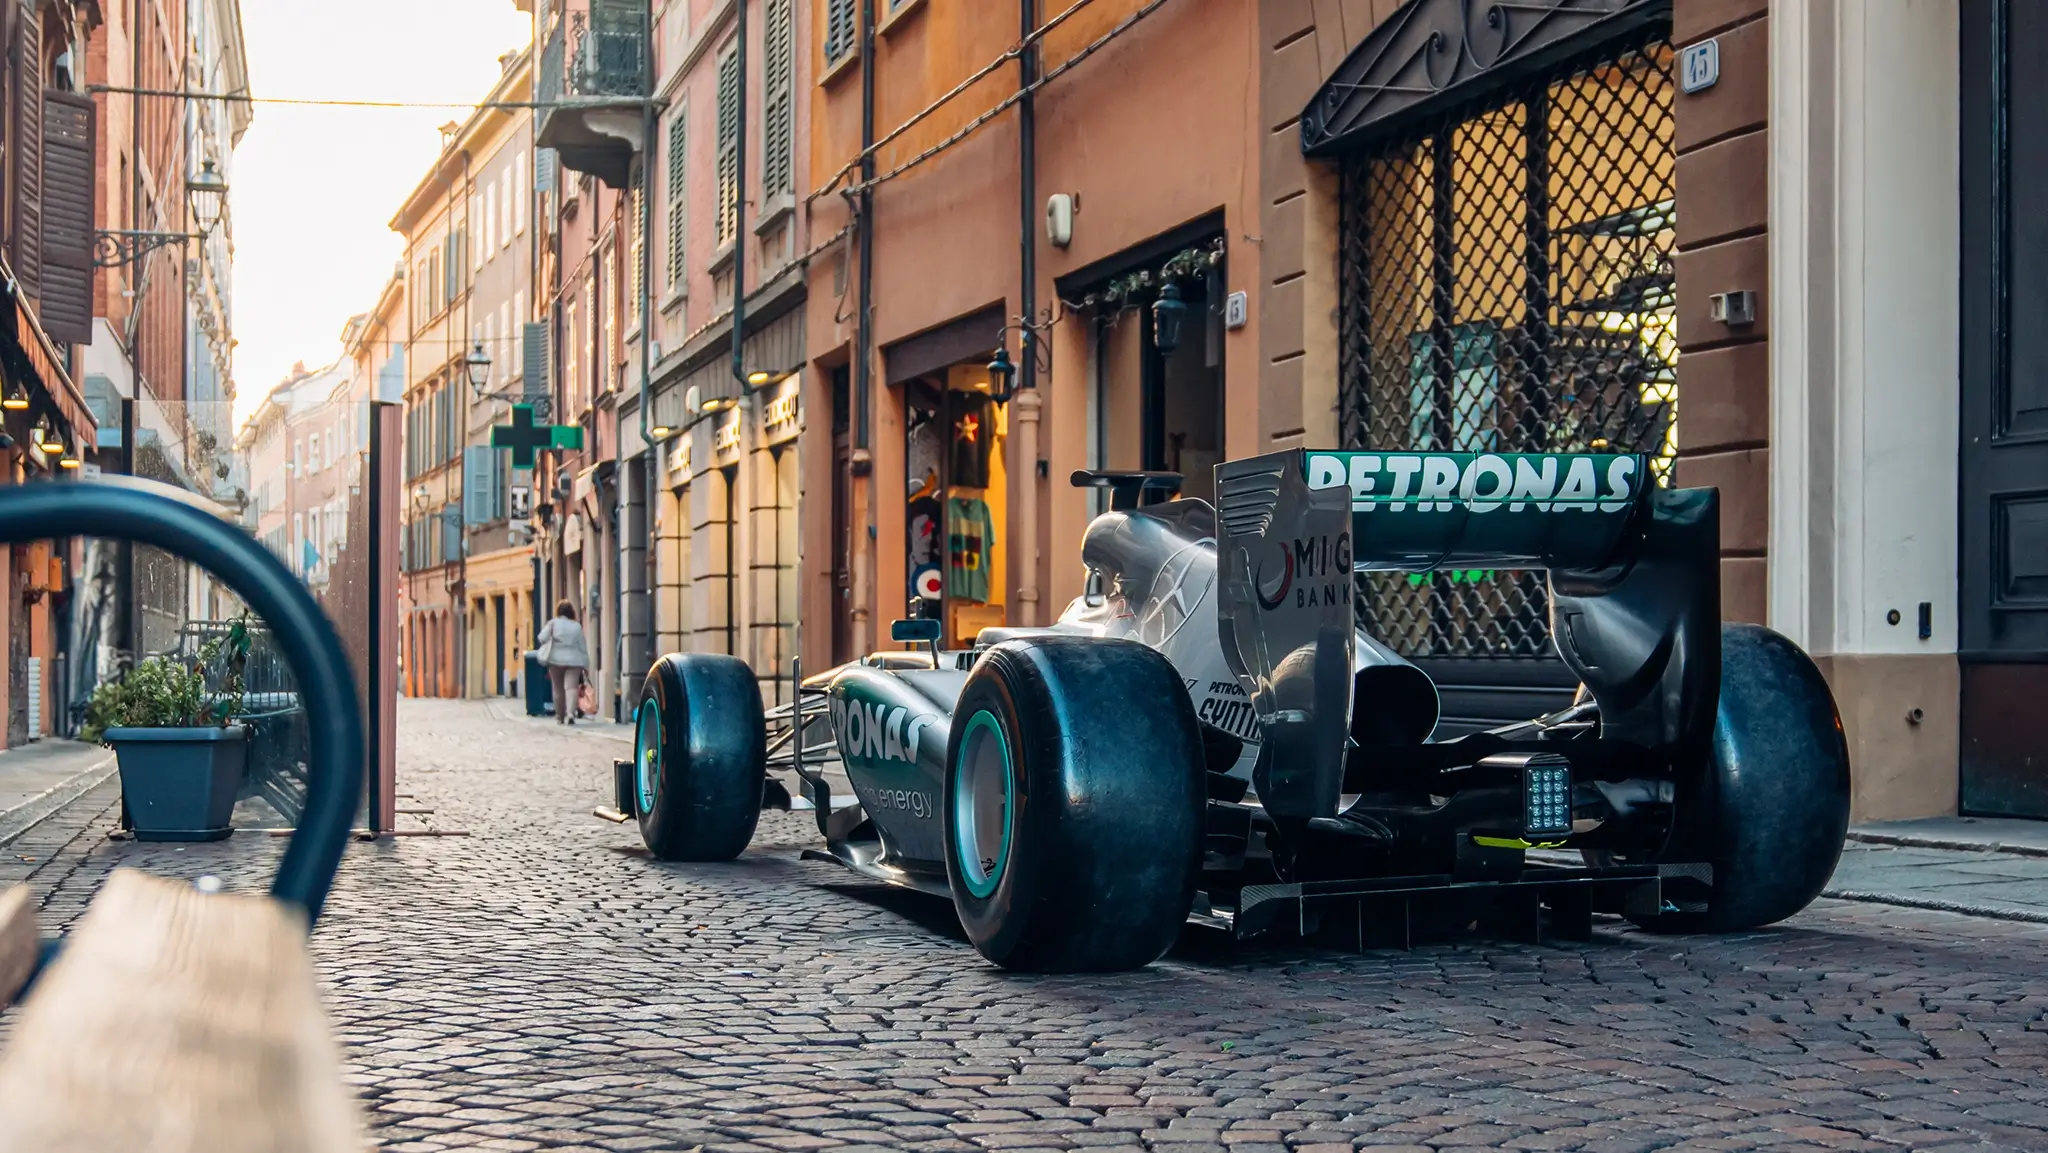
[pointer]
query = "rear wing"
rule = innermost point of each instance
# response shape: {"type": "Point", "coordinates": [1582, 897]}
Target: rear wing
{"type": "Point", "coordinates": [1634, 586]}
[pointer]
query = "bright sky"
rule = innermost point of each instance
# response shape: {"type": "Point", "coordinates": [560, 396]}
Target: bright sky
{"type": "Point", "coordinates": [313, 190]}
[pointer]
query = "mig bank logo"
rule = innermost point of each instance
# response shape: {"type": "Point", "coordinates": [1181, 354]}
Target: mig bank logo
{"type": "Point", "coordinates": [1278, 596]}
{"type": "Point", "coordinates": [1312, 571]}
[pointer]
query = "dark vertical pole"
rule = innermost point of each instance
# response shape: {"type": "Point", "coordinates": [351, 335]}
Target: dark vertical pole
{"type": "Point", "coordinates": [1532, 408]}
{"type": "Point", "coordinates": [1027, 199]}
{"type": "Point", "coordinates": [1535, 375]}
{"type": "Point", "coordinates": [378, 669]}
{"type": "Point", "coordinates": [739, 207]}
{"type": "Point", "coordinates": [1443, 307]}
{"type": "Point", "coordinates": [863, 350]}
{"type": "Point", "coordinates": [124, 551]}
{"type": "Point", "coordinates": [1443, 271]}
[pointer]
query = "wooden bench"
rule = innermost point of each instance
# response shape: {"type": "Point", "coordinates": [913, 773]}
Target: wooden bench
{"type": "Point", "coordinates": [173, 1021]}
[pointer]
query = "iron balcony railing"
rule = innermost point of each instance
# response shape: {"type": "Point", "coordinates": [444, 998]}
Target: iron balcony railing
{"type": "Point", "coordinates": [594, 60]}
{"type": "Point", "coordinates": [601, 52]}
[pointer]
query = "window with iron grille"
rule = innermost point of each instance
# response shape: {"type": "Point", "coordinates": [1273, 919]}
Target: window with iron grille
{"type": "Point", "coordinates": [839, 30]}
{"type": "Point", "coordinates": [778, 155]}
{"type": "Point", "coordinates": [678, 143]}
{"type": "Point", "coordinates": [1507, 287]}
{"type": "Point", "coordinates": [728, 145]}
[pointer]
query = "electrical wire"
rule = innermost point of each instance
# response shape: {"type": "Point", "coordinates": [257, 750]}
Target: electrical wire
{"type": "Point", "coordinates": [1010, 101]}
{"type": "Point", "coordinates": [442, 105]}
{"type": "Point", "coordinates": [1012, 53]}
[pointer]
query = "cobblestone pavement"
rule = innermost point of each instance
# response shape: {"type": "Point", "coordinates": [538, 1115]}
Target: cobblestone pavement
{"type": "Point", "coordinates": [541, 983]}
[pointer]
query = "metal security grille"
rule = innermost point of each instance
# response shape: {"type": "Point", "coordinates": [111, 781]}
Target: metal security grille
{"type": "Point", "coordinates": [1507, 287]}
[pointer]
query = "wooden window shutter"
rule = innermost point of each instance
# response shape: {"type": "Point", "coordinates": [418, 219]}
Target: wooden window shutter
{"type": "Point", "coordinates": [479, 473]}
{"type": "Point", "coordinates": [728, 147]}
{"type": "Point", "coordinates": [839, 40]}
{"type": "Point", "coordinates": [534, 367]}
{"type": "Point", "coordinates": [636, 234]}
{"type": "Point", "coordinates": [678, 194]}
{"type": "Point", "coordinates": [778, 155]}
{"type": "Point", "coordinates": [28, 155]}
{"type": "Point", "coordinates": [69, 124]}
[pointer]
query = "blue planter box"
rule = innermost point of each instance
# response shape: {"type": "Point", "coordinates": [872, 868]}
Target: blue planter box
{"type": "Point", "coordinates": [180, 784]}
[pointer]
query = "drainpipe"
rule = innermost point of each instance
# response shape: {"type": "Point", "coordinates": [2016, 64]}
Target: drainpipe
{"type": "Point", "coordinates": [739, 209]}
{"type": "Point", "coordinates": [650, 488]}
{"type": "Point", "coordinates": [1025, 404]}
{"type": "Point", "coordinates": [863, 489]}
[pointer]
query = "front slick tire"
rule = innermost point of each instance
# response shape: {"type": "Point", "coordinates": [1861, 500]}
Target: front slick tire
{"type": "Point", "coordinates": [700, 757]}
{"type": "Point", "coordinates": [1074, 805]}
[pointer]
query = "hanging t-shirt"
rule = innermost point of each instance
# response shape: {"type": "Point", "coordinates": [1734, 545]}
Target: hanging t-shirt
{"type": "Point", "coordinates": [973, 438]}
{"type": "Point", "coordinates": [970, 534]}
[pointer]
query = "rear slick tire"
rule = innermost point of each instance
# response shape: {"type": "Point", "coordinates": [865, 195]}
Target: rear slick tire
{"type": "Point", "coordinates": [1074, 801]}
{"type": "Point", "coordinates": [1772, 809]}
{"type": "Point", "coordinates": [699, 757]}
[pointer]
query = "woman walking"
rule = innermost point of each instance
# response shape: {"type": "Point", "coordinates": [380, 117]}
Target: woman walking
{"type": "Point", "coordinates": [566, 654]}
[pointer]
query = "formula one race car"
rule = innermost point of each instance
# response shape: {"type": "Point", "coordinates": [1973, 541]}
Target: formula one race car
{"type": "Point", "coordinates": [1207, 734]}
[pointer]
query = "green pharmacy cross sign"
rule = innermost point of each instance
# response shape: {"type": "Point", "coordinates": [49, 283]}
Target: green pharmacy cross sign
{"type": "Point", "coordinates": [523, 436]}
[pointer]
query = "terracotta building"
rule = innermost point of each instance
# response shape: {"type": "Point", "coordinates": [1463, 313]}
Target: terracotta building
{"type": "Point", "coordinates": [1724, 233]}
{"type": "Point", "coordinates": [725, 477]}
{"type": "Point", "coordinates": [47, 218]}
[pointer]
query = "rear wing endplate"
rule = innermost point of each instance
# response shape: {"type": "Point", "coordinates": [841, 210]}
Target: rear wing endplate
{"type": "Point", "coordinates": [1634, 585]}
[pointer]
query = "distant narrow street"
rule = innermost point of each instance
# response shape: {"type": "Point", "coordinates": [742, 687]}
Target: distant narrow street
{"type": "Point", "coordinates": [538, 983]}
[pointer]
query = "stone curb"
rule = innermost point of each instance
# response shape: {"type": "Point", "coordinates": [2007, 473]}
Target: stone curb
{"type": "Point", "coordinates": [1989, 912]}
{"type": "Point", "coordinates": [1910, 841]}
{"type": "Point", "coordinates": [27, 815]}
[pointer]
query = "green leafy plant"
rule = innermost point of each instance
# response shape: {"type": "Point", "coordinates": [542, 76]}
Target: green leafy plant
{"type": "Point", "coordinates": [172, 691]}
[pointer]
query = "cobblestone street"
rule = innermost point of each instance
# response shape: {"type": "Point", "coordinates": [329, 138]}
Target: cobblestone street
{"type": "Point", "coordinates": [539, 982]}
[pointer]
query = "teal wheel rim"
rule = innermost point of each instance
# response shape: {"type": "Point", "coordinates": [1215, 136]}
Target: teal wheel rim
{"type": "Point", "coordinates": [647, 754]}
{"type": "Point", "coordinates": [984, 804]}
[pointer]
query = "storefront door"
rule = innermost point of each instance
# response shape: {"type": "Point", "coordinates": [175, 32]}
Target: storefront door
{"type": "Point", "coordinates": [2004, 451]}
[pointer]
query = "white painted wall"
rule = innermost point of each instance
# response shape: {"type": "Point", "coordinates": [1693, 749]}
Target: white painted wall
{"type": "Point", "coordinates": [1865, 265]}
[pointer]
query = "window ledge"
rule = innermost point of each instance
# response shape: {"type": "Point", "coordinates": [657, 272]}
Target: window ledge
{"type": "Point", "coordinates": [779, 208]}
{"type": "Point", "coordinates": [722, 259]}
{"type": "Point", "coordinates": [840, 67]}
{"type": "Point", "coordinates": [901, 13]}
{"type": "Point", "coordinates": [675, 296]}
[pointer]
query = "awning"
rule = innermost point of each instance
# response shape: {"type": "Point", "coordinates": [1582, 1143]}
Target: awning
{"type": "Point", "coordinates": [30, 354]}
{"type": "Point", "coordinates": [1432, 54]}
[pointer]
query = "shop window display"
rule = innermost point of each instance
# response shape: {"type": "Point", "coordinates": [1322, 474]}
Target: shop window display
{"type": "Point", "coordinates": [954, 500]}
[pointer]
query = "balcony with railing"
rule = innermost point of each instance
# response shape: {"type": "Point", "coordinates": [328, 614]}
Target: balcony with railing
{"type": "Point", "coordinates": [594, 76]}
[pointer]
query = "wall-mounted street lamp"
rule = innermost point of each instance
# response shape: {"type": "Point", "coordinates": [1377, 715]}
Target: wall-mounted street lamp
{"type": "Point", "coordinates": [209, 196]}
{"type": "Point", "coordinates": [16, 399]}
{"type": "Point", "coordinates": [206, 194]}
{"type": "Point", "coordinates": [477, 365]}
{"type": "Point", "coordinates": [1167, 313]}
{"type": "Point", "coordinates": [1002, 376]}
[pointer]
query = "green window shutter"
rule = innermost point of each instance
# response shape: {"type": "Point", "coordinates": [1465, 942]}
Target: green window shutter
{"type": "Point", "coordinates": [728, 147]}
{"type": "Point", "coordinates": [839, 38]}
{"type": "Point", "coordinates": [678, 193]}
{"type": "Point", "coordinates": [479, 473]}
{"type": "Point", "coordinates": [778, 118]}
{"type": "Point", "coordinates": [535, 365]}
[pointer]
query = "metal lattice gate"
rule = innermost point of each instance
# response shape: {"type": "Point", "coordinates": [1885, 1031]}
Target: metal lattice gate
{"type": "Point", "coordinates": [1507, 287]}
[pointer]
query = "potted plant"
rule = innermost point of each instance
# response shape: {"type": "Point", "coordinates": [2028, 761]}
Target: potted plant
{"type": "Point", "coordinates": [171, 723]}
